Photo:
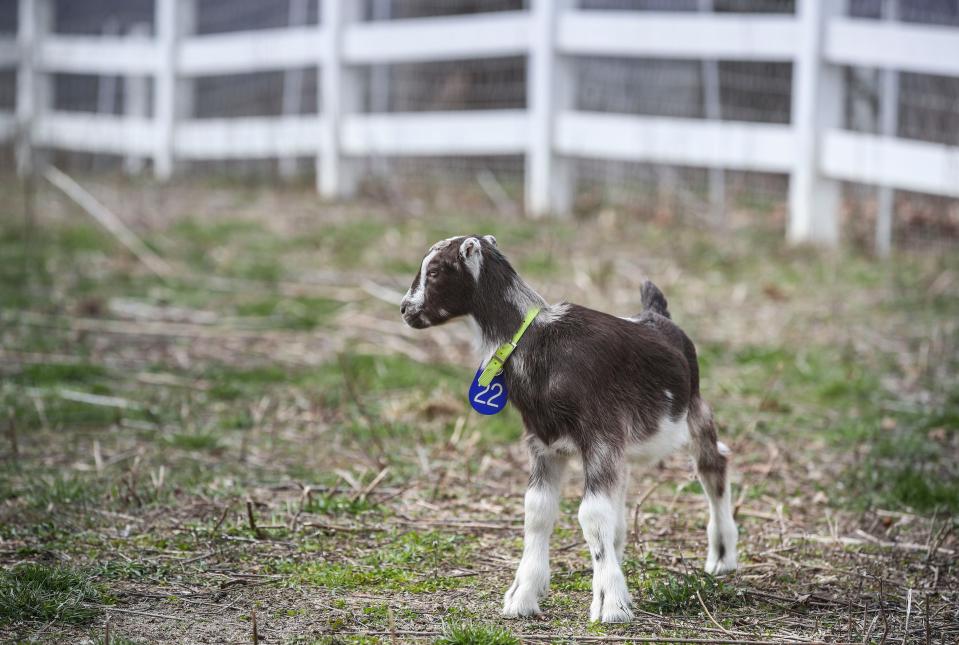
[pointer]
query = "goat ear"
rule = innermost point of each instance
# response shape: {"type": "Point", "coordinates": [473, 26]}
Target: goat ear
{"type": "Point", "coordinates": [490, 239]}
{"type": "Point", "coordinates": [470, 248]}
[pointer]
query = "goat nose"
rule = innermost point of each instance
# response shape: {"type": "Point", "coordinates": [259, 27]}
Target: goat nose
{"type": "Point", "coordinates": [402, 307]}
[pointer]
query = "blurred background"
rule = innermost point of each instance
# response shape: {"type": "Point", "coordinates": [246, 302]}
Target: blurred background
{"type": "Point", "coordinates": [706, 116]}
{"type": "Point", "coordinates": [215, 427]}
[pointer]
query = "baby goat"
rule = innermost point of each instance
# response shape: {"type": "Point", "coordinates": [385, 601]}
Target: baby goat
{"type": "Point", "coordinates": [586, 383]}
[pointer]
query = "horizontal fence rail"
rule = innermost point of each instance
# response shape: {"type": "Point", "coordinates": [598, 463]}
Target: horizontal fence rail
{"type": "Point", "coordinates": [678, 35]}
{"type": "Point", "coordinates": [682, 142]}
{"type": "Point", "coordinates": [250, 51]}
{"type": "Point", "coordinates": [99, 55]}
{"type": "Point", "coordinates": [910, 48]}
{"type": "Point", "coordinates": [487, 132]}
{"type": "Point", "coordinates": [888, 161]}
{"type": "Point", "coordinates": [814, 149]}
{"type": "Point", "coordinates": [503, 33]}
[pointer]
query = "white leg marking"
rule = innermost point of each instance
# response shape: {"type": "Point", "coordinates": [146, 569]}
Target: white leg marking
{"type": "Point", "coordinates": [611, 601]}
{"type": "Point", "coordinates": [619, 541]}
{"type": "Point", "coordinates": [532, 577]}
{"type": "Point", "coordinates": [722, 532]}
{"type": "Point", "coordinates": [542, 509]}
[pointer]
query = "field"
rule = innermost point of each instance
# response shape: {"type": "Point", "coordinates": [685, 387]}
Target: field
{"type": "Point", "coordinates": [254, 448]}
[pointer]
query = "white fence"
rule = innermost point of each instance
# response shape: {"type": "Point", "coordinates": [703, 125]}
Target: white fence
{"type": "Point", "coordinates": [814, 149]}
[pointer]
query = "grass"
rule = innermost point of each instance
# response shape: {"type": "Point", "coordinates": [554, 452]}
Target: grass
{"type": "Point", "coordinates": [42, 593]}
{"type": "Point", "coordinates": [666, 592]}
{"type": "Point", "coordinates": [334, 504]}
{"type": "Point", "coordinates": [839, 370]}
{"type": "Point", "coordinates": [406, 562]}
{"type": "Point", "coordinates": [193, 441]}
{"type": "Point", "coordinates": [116, 639]}
{"type": "Point", "coordinates": [469, 633]}
{"type": "Point", "coordinates": [58, 374]}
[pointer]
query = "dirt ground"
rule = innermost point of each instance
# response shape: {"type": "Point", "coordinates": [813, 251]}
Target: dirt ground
{"type": "Point", "coordinates": [254, 448]}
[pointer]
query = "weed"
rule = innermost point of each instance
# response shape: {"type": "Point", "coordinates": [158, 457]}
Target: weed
{"type": "Point", "coordinates": [334, 504]}
{"type": "Point", "coordinates": [409, 561]}
{"type": "Point", "coordinates": [666, 592]}
{"type": "Point", "coordinates": [51, 374]}
{"type": "Point", "coordinates": [59, 492]}
{"type": "Point", "coordinates": [194, 441]}
{"type": "Point", "coordinates": [291, 313]}
{"type": "Point", "coordinates": [573, 581]}
{"type": "Point", "coordinates": [115, 639]}
{"type": "Point", "coordinates": [36, 592]}
{"type": "Point", "coordinates": [469, 633]}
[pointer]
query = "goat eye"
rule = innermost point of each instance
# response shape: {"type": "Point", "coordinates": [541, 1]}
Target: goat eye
{"type": "Point", "coordinates": [432, 273]}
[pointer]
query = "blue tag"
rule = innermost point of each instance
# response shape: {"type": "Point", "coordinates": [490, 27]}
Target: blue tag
{"type": "Point", "coordinates": [491, 398]}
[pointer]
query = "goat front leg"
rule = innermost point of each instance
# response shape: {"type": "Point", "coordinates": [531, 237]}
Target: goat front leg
{"type": "Point", "coordinates": [542, 510]}
{"type": "Point", "coordinates": [601, 517]}
{"type": "Point", "coordinates": [620, 500]}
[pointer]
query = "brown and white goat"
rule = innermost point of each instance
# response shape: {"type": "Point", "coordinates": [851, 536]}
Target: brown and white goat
{"type": "Point", "coordinates": [585, 383]}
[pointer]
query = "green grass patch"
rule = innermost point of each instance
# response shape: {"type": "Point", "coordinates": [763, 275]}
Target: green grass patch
{"type": "Point", "coordinates": [337, 504]}
{"type": "Point", "coordinates": [905, 468]}
{"type": "Point", "coordinates": [573, 581]}
{"type": "Point", "coordinates": [194, 441]}
{"type": "Point", "coordinates": [669, 592]}
{"type": "Point", "coordinates": [58, 492]}
{"type": "Point", "coordinates": [56, 412]}
{"type": "Point", "coordinates": [298, 313]}
{"type": "Point", "coordinates": [115, 639]}
{"type": "Point", "coordinates": [343, 244]}
{"type": "Point", "coordinates": [409, 562]}
{"type": "Point", "coordinates": [53, 374]}
{"type": "Point", "coordinates": [41, 593]}
{"type": "Point", "coordinates": [228, 382]}
{"type": "Point", "coordinates": [470, 633]}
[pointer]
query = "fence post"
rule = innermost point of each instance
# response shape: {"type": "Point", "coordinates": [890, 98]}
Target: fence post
{"type": "Point", "coordinates": [107, 85]}
{"type": "Point", "coordinates": [339, 95]}
{"type": "Point", "coordinates": [174, 19]}
{"type": "Point", "coordinates": [817, 106]}
{"type": "Point", "coordinates": [293, 84]}
{"type": "Point", "coordinates": [34, 91]}
{"type": "Point", "coordinates": [550, 181]}
{"type": "Point", "coordinates": [888, 126]}
{"type": "Point", "coordinates": [136, 91]}
{"type": "Point", "coordinates": [380, 85]}
{"type": "Point", "coordinates": [713, 108]}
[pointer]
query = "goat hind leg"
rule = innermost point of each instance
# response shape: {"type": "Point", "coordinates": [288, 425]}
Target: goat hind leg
{"type": "Point", "coordinates": [712, 468]}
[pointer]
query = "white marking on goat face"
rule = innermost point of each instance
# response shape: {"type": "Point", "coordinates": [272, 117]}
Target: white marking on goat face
{"type": "Point", "coordinates": [416, 295]}
{"type": "Point", "coordinates": [472, 254]}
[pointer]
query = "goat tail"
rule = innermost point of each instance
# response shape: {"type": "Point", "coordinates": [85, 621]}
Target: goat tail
{"type": "Point", "coordinates": [653, 299]}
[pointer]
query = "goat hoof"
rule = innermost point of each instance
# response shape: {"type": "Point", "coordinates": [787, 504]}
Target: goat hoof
{"type": "Point", "coordinates": [721, 567]}
{"type": "Point", "coordinates": [620, 613]}
{"type": "Point", "coordinates": [521, 602]}
{"type": "Point", "coordinates": [613, 606]}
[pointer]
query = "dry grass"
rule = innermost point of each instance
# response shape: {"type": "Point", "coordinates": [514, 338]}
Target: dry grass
{"type": "Point", "coordinates": [260, 436]}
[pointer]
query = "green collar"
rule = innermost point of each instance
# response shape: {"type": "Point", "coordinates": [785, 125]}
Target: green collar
{"type": "Point", "coordinates": [498, 359]}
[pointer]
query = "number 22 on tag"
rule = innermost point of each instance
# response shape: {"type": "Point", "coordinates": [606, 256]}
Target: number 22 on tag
{"type": "Point", "coordinates": [488, 399]}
